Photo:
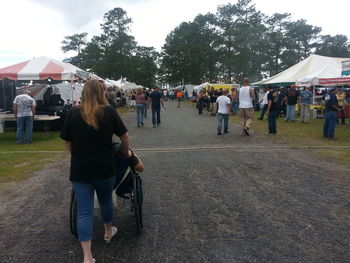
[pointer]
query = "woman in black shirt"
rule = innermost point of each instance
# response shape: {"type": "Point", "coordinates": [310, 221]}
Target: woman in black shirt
{"type": "Point", "coordinates": [87, 132]}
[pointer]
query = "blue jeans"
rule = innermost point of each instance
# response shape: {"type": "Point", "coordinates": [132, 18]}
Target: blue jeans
{"type": "Point", "coordinates": [24, 123]}
{"type": "Point", "coordinates": [84, 194]}
{"type": "Point", "coordinates": [330, 123]}
{"type": "Point", "coordinates": [272, 121]}
{"type": "Point", "coordinates": [156, 115]}
{"type": "Point", "coordinates": [140, 113]}
{"type": "Point", "coordinates": [264, 109]}
{"type": "Point", "coordinates": [222, 117]}
{"type": "Point", "coordinates": [290, 112]}
{"type": "Point", "coordinates": [234, 107]}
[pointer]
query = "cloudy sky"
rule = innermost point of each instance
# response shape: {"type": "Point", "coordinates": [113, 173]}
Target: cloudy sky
{"type": "Point", "coordinates": [32, 28]}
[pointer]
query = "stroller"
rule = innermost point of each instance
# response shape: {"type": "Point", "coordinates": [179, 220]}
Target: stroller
{"type": "Point", "coordinates": [128, 185]}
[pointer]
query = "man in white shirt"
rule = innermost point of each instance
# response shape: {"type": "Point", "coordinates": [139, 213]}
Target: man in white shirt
{"type": "Point", "coordinates": [24, 110]}
{"type": "Point", "coordinates": [246, 97]}
{"type": "Point", "coordinates": [224, 103]}
{"type": "Point", "coordinates": [264, 103]}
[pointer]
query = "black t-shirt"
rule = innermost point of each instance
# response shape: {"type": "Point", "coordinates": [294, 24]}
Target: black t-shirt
{"type": "Point", "coordinates": [331, 100]}
{"type": "Point", "coordinates": [155, 97]}
{"type": "Point", "coordinates": [146, 96]}
{"type": "Point", "coordinates": [292, 97]}
{"type": "Point", "coordinates": [274, 98]}
{"type": "Point", "coordinates": [92, 152]}
{"type": "Point", "coordinates": [213, 96]}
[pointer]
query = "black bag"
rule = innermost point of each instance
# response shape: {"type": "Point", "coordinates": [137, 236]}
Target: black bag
{"type": "Point", "coordinates": [125, 187]}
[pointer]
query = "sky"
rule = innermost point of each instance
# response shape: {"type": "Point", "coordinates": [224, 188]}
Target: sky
{"type": "Point", "coordinates": [33, 28]}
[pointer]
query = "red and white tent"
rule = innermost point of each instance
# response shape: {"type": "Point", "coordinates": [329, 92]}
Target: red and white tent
{"type": "Point", "coordinates": [334, 81]}
{"type": "Point", "coordinates": [41, 68]}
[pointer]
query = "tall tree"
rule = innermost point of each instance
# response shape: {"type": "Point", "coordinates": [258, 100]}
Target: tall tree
{"type": "Point", "coordinates": [242, 32]}
{"type": "Point", "coordinates": [76, 43]}
{"type": "Point", "coordinates": [276, 43]}
{"type": "Point", "coordinates": [303, 39]}
{"type": "Point", "coordinates": [334, 46]}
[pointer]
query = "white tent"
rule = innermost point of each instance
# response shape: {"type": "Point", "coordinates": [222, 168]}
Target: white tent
{"type": "Point", "coordinates": [308, 70]}
{"type": "Point", "coordinates": [186, 88]}
{"type": "Point", "coordinates": [68, 94]}
{"type": "Point", "coordinates": [122, 84]}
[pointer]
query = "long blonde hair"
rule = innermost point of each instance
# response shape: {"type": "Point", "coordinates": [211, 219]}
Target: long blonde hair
{"type": "Point", "coordinates": [93, 102]}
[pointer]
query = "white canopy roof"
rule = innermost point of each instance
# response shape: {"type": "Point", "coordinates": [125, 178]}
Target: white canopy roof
{"type": "Point", "coordinates": [307, 70]}
{"type": "Point", "coordinates": [122, 84]}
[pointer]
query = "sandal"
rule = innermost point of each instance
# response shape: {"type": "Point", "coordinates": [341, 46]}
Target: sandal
{"type": "Point", "coordinates": [114, 232]}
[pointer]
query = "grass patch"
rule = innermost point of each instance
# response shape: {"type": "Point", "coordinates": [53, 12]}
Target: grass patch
{"type": "Point", "coordinates": [301, 134]}
{"type": "Point", "coordinates": [18, 166]}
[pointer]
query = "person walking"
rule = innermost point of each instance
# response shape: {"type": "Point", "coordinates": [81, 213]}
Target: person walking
{"type": "Point", "coordinates": [246, 97]}
{"type": "Point", "coordinates": [272, 110]}
{"type": "Point", "coordinates": [140, 106]}
{"type": "Point", "coordinates": [155, 99]}
{"type": "Point", "coordinates": [305, 102]}
{"type": "Point", "coordinates": [213, 94]}
{"type": "Point", "coordinates": [146, 99]}
{"type": "Point", "coordinates": [291, 101]}
{"type": "Point", "coordinates": [331, 113]}
{"type": "Point", "coordinates": [200, 101]}
{"type": "Point", "coordinates": [264, 103]}
{"type": "Point", "coordinates": [234, 101]}
{"type": "Point", "coordinates": [179, 96]}
{"type": "Point", "coordinates": [24, 110]}
{"type": "Point", "coordinates": [224, 104]}
{"type": "Point", "coordinates": [87, 133]}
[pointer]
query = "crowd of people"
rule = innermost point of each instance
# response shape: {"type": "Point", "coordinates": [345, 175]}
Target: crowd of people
{"type": "Point", "coordinates": [276, 102]}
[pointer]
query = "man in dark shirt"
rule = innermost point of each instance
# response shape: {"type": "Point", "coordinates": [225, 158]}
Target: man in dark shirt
{"type": "Point", "coordinates": [273, 109]}
{"type": "Point", "coordinates": [291, 99]}
{"type": "Point", "coordinates": [155, 98]}
{"type": "Point", "coordinates": [47, 97]}
{"type": "Point", "coordinates": [332, 108]}
{"type": "Point", "coordinates": [213, 96]}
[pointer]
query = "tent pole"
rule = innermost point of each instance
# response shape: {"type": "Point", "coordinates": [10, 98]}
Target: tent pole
{"type": "Point", "coordinates": [313, 95]}
{"type": "Point", "coordinates": [4, 93]}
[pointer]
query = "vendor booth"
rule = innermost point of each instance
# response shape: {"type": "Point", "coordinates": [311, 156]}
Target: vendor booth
{"type": "Point", "coordinates": [43, 75]}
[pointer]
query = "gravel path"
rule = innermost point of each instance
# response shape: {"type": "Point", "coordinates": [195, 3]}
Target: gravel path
{"type": "Point", "coordinates": [250, 203]}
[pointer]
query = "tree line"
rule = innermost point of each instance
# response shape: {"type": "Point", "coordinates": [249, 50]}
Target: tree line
{"type": "Point", "coordinates": [114, 53]}
{"type": "Point", "coordinates": [235, 42]}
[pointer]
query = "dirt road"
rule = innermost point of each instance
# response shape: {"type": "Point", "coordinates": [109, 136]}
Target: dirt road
{"type": "Point", "coordinates": [208, 198]}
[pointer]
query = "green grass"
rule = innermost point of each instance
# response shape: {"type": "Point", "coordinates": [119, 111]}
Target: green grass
{"type": "Point", "coordinates": [15, 166]}
{"type": "Point", "coordinates": [296, 134]}
{"type": "Point", "coordinates": [301, 134]}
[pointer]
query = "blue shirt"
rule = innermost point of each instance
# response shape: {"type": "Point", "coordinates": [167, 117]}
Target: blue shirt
{"type": "Point", "coordinates": [306, 97]}
{"type": "Point", "coordinates": [331, 99]}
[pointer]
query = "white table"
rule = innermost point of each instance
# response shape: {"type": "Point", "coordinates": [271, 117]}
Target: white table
{"type": "Point", "coordinates": [46, 118]}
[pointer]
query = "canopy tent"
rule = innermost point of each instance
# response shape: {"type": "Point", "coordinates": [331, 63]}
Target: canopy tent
{"type": "Point", "coordinates": [306, 71]}
{"type": "Point", "coordinates": [42, 68]}
{"type": "Point", "coordinates": [346, 68]}
{"type": "Point", "coordinates": [201, 86]}
{"type": "Point", "coordinates": [122, 84]}
{"type": "Point", "coordinates": [334, 81]}
{"type": "Point", "coordinates": [68, 94]}
{"type": "Point", "coordinates": [186, 88]}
